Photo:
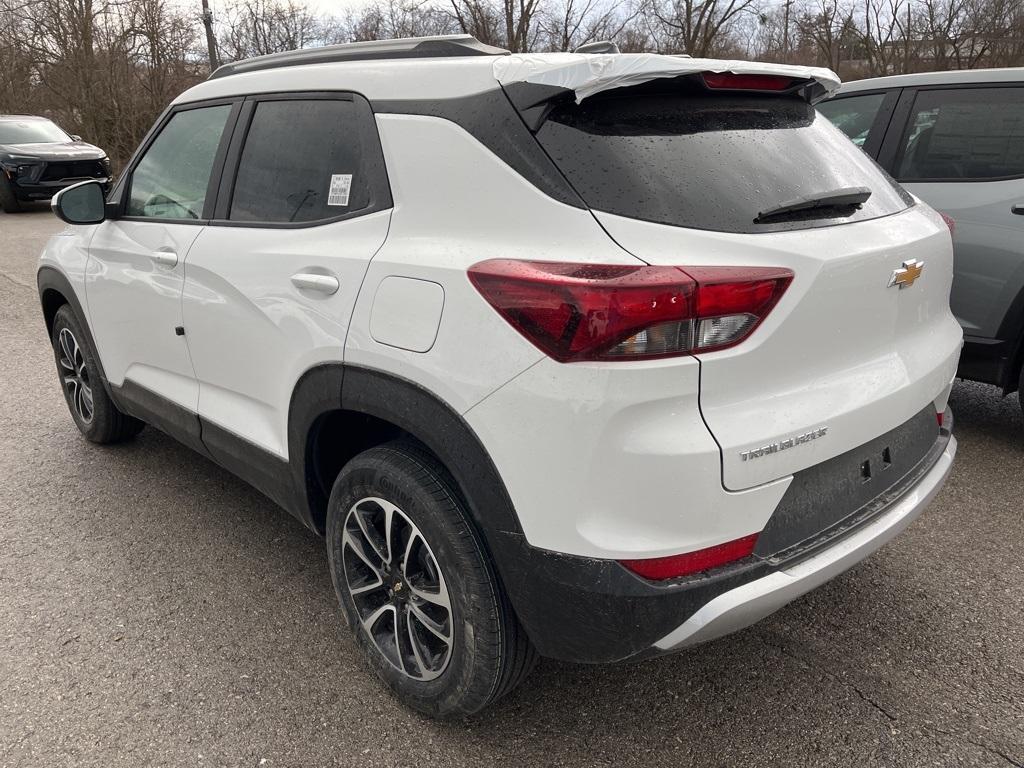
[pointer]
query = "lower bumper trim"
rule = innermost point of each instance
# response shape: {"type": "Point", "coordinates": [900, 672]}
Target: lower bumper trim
{"type": "Point", "coordinates": [746, 604]}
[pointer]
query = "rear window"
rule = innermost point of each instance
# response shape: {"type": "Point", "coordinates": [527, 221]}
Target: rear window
{"type": "Point", "coordinates": [712, 161]}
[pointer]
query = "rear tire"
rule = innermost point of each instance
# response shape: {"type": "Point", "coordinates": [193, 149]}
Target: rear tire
{"type": "Point", "coordinates": [94, 413]}
{"type": "Point", "coordinates": [424, 602]}
{"type": "Point", "coordinates": [8, 201]}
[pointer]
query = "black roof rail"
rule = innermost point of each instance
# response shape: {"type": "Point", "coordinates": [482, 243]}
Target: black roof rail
{"type": "Point", "coordinates": [402, 48]}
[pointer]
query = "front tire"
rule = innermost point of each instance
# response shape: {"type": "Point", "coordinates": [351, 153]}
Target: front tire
{"type": "Point", "coordinates": [94, 413]}
{"type": "Point", "coordinates": [417, 587]}
{"type": "Point", "coordinates": [8, 201]}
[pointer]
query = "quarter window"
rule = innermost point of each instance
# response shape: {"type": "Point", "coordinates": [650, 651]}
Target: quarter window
{"type": "Point", "coordinates": [171, 179]}
{"type": "Point", "coordinates": [854, 115]}
{"type": "Point", "coordinates": [964, 134]}
{"type": "Point", "coordinates": [302, 162]}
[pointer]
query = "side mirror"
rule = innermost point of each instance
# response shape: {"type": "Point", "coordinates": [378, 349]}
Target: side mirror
{"type": "Point", "coordinates": [75, 137]}
{"type": "Point", "coordinates": [81, 203]}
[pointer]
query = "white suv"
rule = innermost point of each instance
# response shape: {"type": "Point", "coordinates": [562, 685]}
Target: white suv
{"type": "Point", "coordinates": [585, 356]}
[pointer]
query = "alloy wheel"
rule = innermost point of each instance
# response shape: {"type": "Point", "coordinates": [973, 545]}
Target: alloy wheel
{"type": "Point", "coordinates": [75, 375]}
{"type": "Point", "coordinates": [397, 588]}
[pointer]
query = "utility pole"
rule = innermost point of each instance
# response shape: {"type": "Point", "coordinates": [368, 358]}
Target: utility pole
{"type": "Point", "coordinates": [211, 44]}
{"type": "Point", "coordinates": [785, 32]}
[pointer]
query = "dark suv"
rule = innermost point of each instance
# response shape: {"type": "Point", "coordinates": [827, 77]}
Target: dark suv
{"type": "Point", "coordinates": [38, 159]}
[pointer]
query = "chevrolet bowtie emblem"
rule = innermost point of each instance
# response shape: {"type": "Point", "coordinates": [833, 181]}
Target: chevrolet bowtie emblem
{"type": "Point", "coordinates": [905, 276]}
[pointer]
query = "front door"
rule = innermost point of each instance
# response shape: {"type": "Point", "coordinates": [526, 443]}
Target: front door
{"type": "Point", "coordinates": [135, 273]}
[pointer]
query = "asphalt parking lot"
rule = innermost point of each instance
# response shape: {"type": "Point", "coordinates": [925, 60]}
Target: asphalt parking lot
{"type": "Point", "coordinates": [156, 611]}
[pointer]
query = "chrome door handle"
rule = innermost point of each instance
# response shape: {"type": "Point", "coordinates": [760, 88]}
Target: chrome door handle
{"type": "Point", "coordinates": [165, 258]}
{"type": "Point", "coordinates": [312, 282]}
{"type": "Point", "coordinates": [1017, 208]}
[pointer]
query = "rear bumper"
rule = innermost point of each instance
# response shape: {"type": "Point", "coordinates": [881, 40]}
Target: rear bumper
{"type": "Point", "coordinates": [594, 610]}
{"type": "Point", "coordinates": [742, 606]}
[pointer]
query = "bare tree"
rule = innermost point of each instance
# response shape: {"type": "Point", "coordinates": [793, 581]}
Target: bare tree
{"type": "Point", "coordinates": [697, 27]}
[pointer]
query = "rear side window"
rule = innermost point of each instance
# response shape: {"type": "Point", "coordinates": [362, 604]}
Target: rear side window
{"type": "Point", "coordinates": [854, 115]}
{"type": "Point", "coordinates": [964, 134]}
{"type": "Point", "coordinates": [711, 161]}
{"type": "Point", "coordinates": [302, 162]}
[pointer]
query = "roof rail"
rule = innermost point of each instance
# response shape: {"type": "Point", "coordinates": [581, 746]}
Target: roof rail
{"type": "Point", "coordinates": [403, 48]}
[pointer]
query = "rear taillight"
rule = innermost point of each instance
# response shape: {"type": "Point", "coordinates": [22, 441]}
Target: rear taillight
{"type": "Point", "coordinates": [730, 81]}
{"type": "Point", "coordinates": [578, 312]}
{"type": "Point", "coordinates": [949, 223]}
{"type": "Point", "coordinates": [675, 566]}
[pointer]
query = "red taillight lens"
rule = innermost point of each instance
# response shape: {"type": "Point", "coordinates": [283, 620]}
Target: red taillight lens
{"type": "Point", "coordinates": [941, 417]}
{"type": "Point", "coordinates": [674, 566]}
{"type": "Point", "coordinates": [949, 223]}
{"type": "Point", "coordinates": [578, 312]}
{"type": "Point", "coordinates": [729, 81]}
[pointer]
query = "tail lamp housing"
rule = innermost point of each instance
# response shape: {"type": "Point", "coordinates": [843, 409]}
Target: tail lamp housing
{"type": "Point", "coordinates": [576, 312]}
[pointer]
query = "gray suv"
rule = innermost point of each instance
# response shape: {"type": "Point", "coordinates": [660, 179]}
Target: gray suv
{"type": "Point", "coordinates": [956, 140]}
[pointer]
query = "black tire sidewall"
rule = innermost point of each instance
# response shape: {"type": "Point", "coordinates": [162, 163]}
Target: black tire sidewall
{"type": "Point", "coordinates": [8, 200]}
{"type": "Point", "coordinates": [470, 680]}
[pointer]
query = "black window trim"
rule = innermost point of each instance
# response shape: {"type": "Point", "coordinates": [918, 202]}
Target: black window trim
{"type": "Point", "coordinates": [373, 161]}
{"type": "Point", "coordinates": [900, 123]}
{"type": "Point", "coordinates": [117, 201]}
{"type": "Point", "coordinates": [883, 118]}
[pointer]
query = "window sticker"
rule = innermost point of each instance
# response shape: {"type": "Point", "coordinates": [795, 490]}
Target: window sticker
{"type": "Point", "coordinates": [341, 184]}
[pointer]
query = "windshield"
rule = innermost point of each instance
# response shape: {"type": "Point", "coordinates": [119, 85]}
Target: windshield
{"type": "Point", "coordinates": [31, 132]}
{"type": "Point", "coordinates": [713, 161]}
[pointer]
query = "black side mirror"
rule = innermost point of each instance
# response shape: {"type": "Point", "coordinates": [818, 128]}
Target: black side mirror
{"type": "Point", "coordinates": [81, 203]}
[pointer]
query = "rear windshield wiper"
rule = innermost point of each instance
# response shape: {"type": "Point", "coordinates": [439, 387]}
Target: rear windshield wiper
{"type": "Point", "coordinates": [822, 203]}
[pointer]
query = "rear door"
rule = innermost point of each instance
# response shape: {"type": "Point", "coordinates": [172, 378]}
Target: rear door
{"type": "Point", "coordinates": [961, 150]}
{"type": "Point", "coordinates": [271, 284]}
{"type": "Point", "coordinates": [691, 179]}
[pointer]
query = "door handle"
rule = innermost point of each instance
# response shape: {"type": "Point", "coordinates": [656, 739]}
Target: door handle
{"type": "Point", "coordinates": [165, 258]}
{"type": "Point", "coordinates": [1017, 208]}
{"type": "Point", "coordinates": [309, 281]}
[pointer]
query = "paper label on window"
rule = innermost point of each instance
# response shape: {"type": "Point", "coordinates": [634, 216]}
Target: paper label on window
{"type": "Point", "coordinates": [341, 183]}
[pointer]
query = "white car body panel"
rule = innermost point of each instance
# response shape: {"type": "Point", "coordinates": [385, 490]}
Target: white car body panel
{"type": "Point", "coordinates": [842, 350]}
{"type": "Point", "coordinates": [612, 460]}
{"type": "Point", "coordinates": [242, 309]}
{"type": "Point", "coordinates": [438, 237]}
{"type": "Point", "coordinates": [135, 305]}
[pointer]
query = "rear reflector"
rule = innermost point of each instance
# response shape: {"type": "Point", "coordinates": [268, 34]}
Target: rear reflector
{"type": "Point", "coordinates": [576, 312]}
{"type": "Point", "coordinates": [674, 566]}
{"type": "Point", "coordinates": [729, 81]}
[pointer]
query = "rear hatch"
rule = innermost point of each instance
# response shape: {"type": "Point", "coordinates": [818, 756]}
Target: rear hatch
{"type": "Point", "coordinates": [683, 174]}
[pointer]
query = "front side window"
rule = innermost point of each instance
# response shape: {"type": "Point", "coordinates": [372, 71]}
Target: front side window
{"type": "Point", "coordinates": [854, 115]}
{"type": "Point", "coordinates": [171, 179]}
{"type": "Point", "coordinates": [302, 162]}
{"type": "Point", "coordinates": [964, 134]}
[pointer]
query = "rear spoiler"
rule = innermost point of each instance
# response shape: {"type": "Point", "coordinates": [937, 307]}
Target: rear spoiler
{"type": "Point", "coordinates": [589, 74]}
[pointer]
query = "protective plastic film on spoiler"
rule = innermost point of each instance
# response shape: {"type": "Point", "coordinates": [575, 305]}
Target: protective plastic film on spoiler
{"type": "Point", "coordinates": [587, 74]}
